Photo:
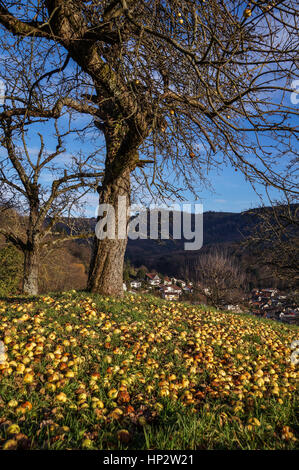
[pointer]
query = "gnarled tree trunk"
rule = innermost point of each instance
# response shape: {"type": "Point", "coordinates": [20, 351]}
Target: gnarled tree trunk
{"type": "Point", "coordinates": [106, 267]}
{"type": "Point", "coordinates": [31, 248]}
{"type": "Point", "coordinates": [31, 269]}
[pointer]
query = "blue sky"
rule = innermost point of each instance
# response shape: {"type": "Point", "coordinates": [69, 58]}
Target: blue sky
{"type": "Point", "coordinates": [231, 192]}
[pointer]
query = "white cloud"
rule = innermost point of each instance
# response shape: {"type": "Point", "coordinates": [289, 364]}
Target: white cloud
{"type": "Point", "coordinates": [221, 201]}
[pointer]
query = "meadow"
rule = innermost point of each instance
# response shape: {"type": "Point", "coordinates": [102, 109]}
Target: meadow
{"type": "Point", "coordinates": [82, 371]}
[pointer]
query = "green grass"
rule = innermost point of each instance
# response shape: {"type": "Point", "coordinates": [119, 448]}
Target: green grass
{"type": "Point", "coordinates": [172, 375]}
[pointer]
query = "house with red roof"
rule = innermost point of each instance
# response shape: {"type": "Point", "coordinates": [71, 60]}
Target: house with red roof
{"type": "Point", "coordinates": [171, 292]}
{"type": "Point", "coordinates": [153, 279]}
{"type": "Point", "coordinates": [167, 281]}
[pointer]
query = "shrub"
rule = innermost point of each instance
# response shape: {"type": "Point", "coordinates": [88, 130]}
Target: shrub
{"type": "Point", "coordinates": [11, 260]}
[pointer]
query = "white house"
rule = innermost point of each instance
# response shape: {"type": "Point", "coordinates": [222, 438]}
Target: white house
{"type": "Point", "coordinates": [153, 279]}
{"type": "Point", "coordinates": [170, 296]}
{"type": "Point", "coordinates": [167, 281]}
{"type": "Point", "coordinates": [135, 284]}
{"type": "Point", "coordinates": [167, 288]}
{"type": "Point", "coordinates": [170, 292]}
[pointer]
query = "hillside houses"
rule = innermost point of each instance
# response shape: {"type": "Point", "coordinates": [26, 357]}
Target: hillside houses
{"type": "Point", "coordinates": [264, 294]}
{"type": "Point", "coordinates": [168, 288]}
{"type": "Point", "coordinates": [271, 304]}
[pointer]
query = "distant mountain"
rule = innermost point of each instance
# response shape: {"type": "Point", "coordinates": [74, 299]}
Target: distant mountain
{"type": "Point", "coordinates": [225, 230]}
{"type": "Point", "coordinates": [219, 228]}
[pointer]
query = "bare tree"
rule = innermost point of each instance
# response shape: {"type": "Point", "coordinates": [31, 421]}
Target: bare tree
{"type": "Point", "coordinates": [218, 276]}
{"type": "Point", "coordinates": [42, 184]}
{"type": "Point", "coordinates": [189, 85]}
{"type": "Point", "coordinates": [276, 238]}
{"type": "Point", "coordinates": [42, 205]}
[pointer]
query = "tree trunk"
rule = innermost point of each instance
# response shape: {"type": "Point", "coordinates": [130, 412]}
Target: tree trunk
{"type": "Point", "coordinates": [106, 268]}
{"type": "Point", "coordinates": [31, 270]}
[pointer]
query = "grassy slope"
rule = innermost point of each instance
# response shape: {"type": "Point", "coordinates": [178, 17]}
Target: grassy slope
{"type": "Point", "coordinates": [143, 373]}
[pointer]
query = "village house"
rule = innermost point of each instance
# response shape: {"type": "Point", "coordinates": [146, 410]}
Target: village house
{"type": "Point", "coordinates": [188, 289]}
{"type": "Point", "coordinates": [270, 304]}
{"type": "Point", "coordinates": [171, 292]}
{"type": "Point", "coordinates": [168, 288]}
{"type": "Point", "coordinates": [233, 308]}
{"type": "Point", "coordinates": [153, 279]}
{"type": "Point", "coordinates": [135, 284]}
{"type": "Point", "coordinates": [167, 281]}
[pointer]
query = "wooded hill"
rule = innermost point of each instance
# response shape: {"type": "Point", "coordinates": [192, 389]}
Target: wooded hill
{"type": "Point", "coordinates": [66, 267]}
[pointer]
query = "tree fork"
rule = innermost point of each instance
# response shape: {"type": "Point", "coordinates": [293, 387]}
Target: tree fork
{"type": "Point", "coordinates": [106, 266]}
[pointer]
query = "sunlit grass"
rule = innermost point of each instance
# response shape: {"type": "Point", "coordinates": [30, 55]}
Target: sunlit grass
{"type": "Point", "coordinates": [85, 371]}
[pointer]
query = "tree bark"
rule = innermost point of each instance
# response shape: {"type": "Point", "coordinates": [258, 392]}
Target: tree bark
{"type": "Point", "coordinates": [31, 270]}
{"type": "Point", "coordinates": [32, 245]}
{"type": "Point", "coordinates": [106, 266]}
